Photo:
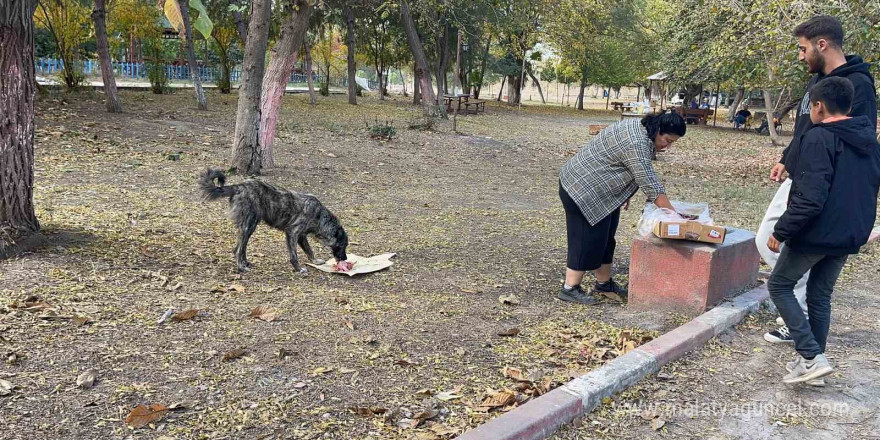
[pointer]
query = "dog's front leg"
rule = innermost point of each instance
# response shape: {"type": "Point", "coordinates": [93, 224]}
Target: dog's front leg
{"type": "Point", "coordinates": [245, 229]}
{"type": "Point", "coordinates": [292, 238]}
{"type": "Point", "coordinates": [304, 244]}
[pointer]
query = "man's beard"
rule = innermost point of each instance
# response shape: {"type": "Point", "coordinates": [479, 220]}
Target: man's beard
{"type": "Point", "coordinates": [817, 64]}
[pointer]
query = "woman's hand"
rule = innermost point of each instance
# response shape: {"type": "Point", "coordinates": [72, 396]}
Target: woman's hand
{"type": "Point", "coordinates": [773, 244]}
{"type": "Point", "coordinates": [777, 172]}
{"type": "Point", "coordinates": [663, 202]}
{"type": "Point", "coordinates": [626, 204]}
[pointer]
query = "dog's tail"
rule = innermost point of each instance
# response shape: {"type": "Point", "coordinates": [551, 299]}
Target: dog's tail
{"type": "Point", "coordinates": [210, 191]}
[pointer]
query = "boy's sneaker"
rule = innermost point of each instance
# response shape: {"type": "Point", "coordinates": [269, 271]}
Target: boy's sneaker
{"type": "Point", "coordinates": [805, 370]}
{"type": "Point", "coordinates": [820, 382]}
{"type": "Point", "coordinates": [575, 295]}
{"type": "Point", "coordinates": [610, 290]}
{"type": "Point", "coordinates": [779, 336]}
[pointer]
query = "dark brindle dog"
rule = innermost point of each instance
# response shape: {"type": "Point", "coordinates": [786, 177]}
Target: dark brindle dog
{"type": "Point", "coordinates": [296, 214]}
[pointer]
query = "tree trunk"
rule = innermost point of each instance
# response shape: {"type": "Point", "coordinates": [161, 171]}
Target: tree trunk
{"type": "Point", "coordinates": [737, 100]}
{"type": "Point", "coordinates": [501, 89]}
{"type": "Point", "coordinates": [284, 55]}
{"type": "Point", "coordinates": [422, 73]}
{"type": "Point", "coordinates": [246, 152]}
{"type": "Point", "coordinates": [17, 80]}
{"type": "Point", "coordinates": [580, 98]}
{"type": "Point", "coordinates": [479, 86]}
{"type": "Point", "coordinates": [417, 94]}
{"type": "Point", "coordinates": [443, 61]}
{"type": "Point", "coordinates": [241, 25]}
{"type": "Point", "coordinates": [538, 83]}
{"type": "Point", "coordinates": [191, 56]}
{"type": "Point", "coordinates": [768, 103]}
{"type": "Point", "coordinates": [381, 85]}
{"type": "Point", "coordinates": [403, 81]}
{"type": "Point", "coordinates": [313, 99]}
{"type": "Point", "coordinates": [99, 14]}
{"type": "Point", "coordinates": [350, 42]}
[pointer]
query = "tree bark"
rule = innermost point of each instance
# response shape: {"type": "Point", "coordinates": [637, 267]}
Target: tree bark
{"type": "Point", "coordinates": [17, 91]}
{"type": "Point", "coordinates": [417, 94]}
{"type": "Point", "coordinates": [479, 86]}
{"type": "Point", "coordinates": [768, 103]}
{"type": "Point", "coordinates": [284, 56]}
{"type": "Point", "coordinates": [381, 84]}
{"type": "Point", "coordinates": [246, 155]}
{"type": "Point", "coordinates": [313, 99]}
{"type": "Point", "coordinates": [442, 60]}
{"type": "Point", "coordinates": [191, 56]}
{"type": "Point", "coordinates": [241, 25]}
{"type": "Point", "coordinates": [514, 89]}
{"type": "Point", "coordinates": [422, 73]}
{"type": "Point", "coordinates": [403, 81]}
{"type": "Point", "coordinates": [350, 42]}
{"type": "Point", "coordinates": [99, 15]}
{"type": "Point", "coordinates": [731, 111]}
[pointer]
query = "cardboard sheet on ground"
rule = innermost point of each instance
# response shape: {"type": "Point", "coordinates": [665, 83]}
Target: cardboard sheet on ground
{"type": "Point", "coordinates": [361, 264]}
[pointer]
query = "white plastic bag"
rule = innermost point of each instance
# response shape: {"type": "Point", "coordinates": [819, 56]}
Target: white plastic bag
{"type": "Point", "coordinates": [698, 212]}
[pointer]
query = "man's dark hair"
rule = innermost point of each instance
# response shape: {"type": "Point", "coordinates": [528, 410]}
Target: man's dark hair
{"type": "Point", "coordinates": [665, 123]}
{"type": "Point", "coordinates": [835, 92]}
{"type": "Point", "coordinates": [821, 26]}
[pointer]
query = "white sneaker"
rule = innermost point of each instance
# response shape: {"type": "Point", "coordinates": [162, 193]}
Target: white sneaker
{"type": "Point", "coordinates": [820, 382]}
{"type": "Point", "coordinates": [805, 370]}
{"type": "Point", "coordinates": [780, 321]}
{"type": "Point", "coordinates": [779, 336]}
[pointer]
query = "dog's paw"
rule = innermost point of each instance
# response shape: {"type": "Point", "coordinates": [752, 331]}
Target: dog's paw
{"type": "Point", "coordinates": [319, 262]}
{"type": "Point", "coordinates": [244, 269]}
{"type": "Point", "coordinates": [303, 271]}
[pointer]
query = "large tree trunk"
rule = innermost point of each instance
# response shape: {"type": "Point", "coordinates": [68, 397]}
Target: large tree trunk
{"type": "Point", "coordinates": [417, 94]}
{"type": "Point", "coordinates": [422, 73]}
{"type": "Point", "coordinates": [350, 42]}
{"type": "Point", "coordinates": [442, 60]}
{"type": "Point", "coordinates": [191, 57]}
{"type": "Point", "coordinates": [17, 91]}
{"type": "Point", "coordinates": [514, 89]}
{"type": "Point", "coordinates": [246, 154]}
{"type": "Point", "coordinates": [381, 83]}
{"type": "Point", "coordinates": [731, 111]}
{"type": "Point", "coordinates": [99, 14]}
{"type": "Point", "coordinates": [313, 99]}
{"type": "Point", "coordinates": [768, 104]}
{"type": "Point", "coordinates": [284, 55]}
{"type": "Point", "coordinates": [538, 83]}
{"type": "Point", "coordinates": [241, 25]}
{"type": "Point", "coordinates": [501, 89]}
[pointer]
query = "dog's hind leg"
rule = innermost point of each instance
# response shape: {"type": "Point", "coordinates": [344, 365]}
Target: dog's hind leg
{"type": "Point", "coordinates": [292, 238]}
{"type": "Point", "coordinates": [304, 244]}
{"type": "Point", "coordinates": [246, 228]}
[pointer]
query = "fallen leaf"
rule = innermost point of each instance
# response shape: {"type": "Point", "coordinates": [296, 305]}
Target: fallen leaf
{"type": "Point", "coordinates": [368, 411]}
{"type": "Point", "coordinates": [405, 363]}
{"type": "Point", "coordinates": [218, 289]}
{"type": "Point", "coordinates": [86, 380]}
{"type": "Point", "coordinates": [495, 399]}
{"type": "Point", "coordinates": [427, 415]}
{"type": "Point", "coordinates": [284, 353]}
{"type": "Point", "coordinates": [509, 332]}
{"type": "Point", "coordinates": [300, 385]}
{"type": "Point", "coordinates": [647, 415]}
{"type": "Point", "coordinates": [31, 304]}
{"type": "Point", "coordinates": [321, 370]}
{"type": "Point", "coordinates": [349, 324]}
{"type": "Point", "coordinates": [340, 300]}
{"type": "Point", "coordinates": [5, 387]}
{"type": "Point", "coordinates": [449, 395]}
{"type": "Point", "coordinates": [236, 288]}
{"type": "Point", "coordinates": [515, 374]}
{"type": "Point", "coordinates": [185, 315]}
{"type": "Point", "coordinates": [176, 286]}
{"type": "Point", "coordinates": [407, 423]}
{"type": "Point", "coordinates": [144, 415]}
{"type": "Point", "coordinates": [267, 314]}
{"type": "Point", "coordinates": [234, 354]}
{"type": "Point", "coordinates": [511, 300]}
{"type": "Point", "coordinates": [346, 370]}
{"type": "Point", "coordinates": [81, 320]}
{"type": "Point", "coordinates": [657, 423]}
{"type": "Point", "coordinates": [178, 406]}
{"type": "Point", "coordinates": [443, 430]}
{"type": "Point", "coordinates": [12, 358]}
{"type": "Point", "coordinates": [424, 393]}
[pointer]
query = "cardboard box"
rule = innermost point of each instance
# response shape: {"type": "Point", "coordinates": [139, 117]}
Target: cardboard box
{"type": "Point", "coordinates": [690, 230]}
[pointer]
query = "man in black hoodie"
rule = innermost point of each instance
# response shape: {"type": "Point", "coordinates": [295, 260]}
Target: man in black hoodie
{"type": "Point", "coordinates": [835, 174]}
{"type": "Point", "coordinates": [820, 42]}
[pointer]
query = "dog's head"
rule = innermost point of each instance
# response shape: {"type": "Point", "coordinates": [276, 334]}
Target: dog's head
{"type": "Point", "coordinates": [334, 237]}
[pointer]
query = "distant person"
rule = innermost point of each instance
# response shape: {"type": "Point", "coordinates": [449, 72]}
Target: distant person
{"type": "Point", "coordinates": [705, 104]}
{"type": "Point", "coordinates": [835, 179]}
{"type": "Point", "coordinates": [694, 104]}
{"type": "Point", "coordinates": [820, 46]}
{"type": "Point", "coordinates": [741, 116]}
{"type": "Point", "coordinates": [596, 183]}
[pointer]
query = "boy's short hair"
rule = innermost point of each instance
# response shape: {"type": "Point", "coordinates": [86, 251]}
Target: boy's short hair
{"type": "Point", "coordinates": [821, 26]}
{"type": "Point", "coordinates": [835, 92]}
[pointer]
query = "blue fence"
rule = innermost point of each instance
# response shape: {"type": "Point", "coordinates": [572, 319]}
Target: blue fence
{"type": "Point", "coordinates": [51, 66]}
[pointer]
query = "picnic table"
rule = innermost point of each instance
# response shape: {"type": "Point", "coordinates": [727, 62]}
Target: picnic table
{"type": "Point", "coordinates": [695, 115]}
{"type": "Point", "coordinates": [624, 107]}
{"type": "Point", "coordinates": [460, 100]}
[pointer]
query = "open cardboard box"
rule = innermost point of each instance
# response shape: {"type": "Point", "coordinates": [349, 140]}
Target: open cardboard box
{"type": "Point", "coordinates": [690, 230]}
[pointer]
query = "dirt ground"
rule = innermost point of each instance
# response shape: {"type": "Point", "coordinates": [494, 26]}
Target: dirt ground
{"type": "Point", "coordinates": [411, 352]}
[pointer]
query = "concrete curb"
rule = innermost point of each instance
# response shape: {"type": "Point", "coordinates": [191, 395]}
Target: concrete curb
{"type": "Point", "coordinates": [539, 418]}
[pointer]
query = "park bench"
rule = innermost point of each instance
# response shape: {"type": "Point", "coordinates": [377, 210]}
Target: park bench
{"type": "Point", "coordinates": [478, 106]}
{"type": "Point", "coordinates": [696, 115]}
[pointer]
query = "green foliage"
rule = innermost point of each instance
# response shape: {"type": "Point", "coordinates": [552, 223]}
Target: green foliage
{"type": "Point", "coordinates": [70, 23]}
{"type": "Point", "coordinates": [155, 65]}
{"type": "Point", "coordinates": [383, 130]}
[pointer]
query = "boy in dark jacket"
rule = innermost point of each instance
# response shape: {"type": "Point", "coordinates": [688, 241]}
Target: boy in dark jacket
{"type": "Point", "coordinates": [835, 173]}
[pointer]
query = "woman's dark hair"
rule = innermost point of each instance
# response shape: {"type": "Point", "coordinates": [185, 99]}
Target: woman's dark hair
{"type": "Point", "coordinates": [664, 123]}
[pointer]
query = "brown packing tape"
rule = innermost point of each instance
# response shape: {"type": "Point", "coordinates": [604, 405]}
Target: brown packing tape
{"type": "Point", "coordinates": [691, 231]}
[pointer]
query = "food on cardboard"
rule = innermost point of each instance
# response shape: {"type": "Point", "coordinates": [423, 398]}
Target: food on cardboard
{"type": "Point", "coordinates": [689, 221]}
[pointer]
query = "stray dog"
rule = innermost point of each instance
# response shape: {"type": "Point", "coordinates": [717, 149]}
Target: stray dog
{"type": "Point", "coordinates": [296, 214]}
